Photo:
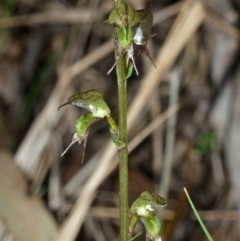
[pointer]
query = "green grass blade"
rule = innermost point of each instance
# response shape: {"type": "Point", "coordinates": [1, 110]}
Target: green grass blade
{"type": "Point", "coordinates": [198, 217]}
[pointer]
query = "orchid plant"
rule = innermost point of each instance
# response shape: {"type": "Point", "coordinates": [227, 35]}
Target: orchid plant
{"type": "Point", "coordinates": [132, 30]}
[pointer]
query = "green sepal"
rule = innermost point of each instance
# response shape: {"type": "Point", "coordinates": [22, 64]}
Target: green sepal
{"type": "Point", "coordinates": [152, 226]}
{"type": "Point", "coordinates": [124, 16]}
{"type": "Point", "coordinates": [125, 37]}
{"type": "Point", "coordinates": [146, 203]}
{"type": "Point", "coordinates": [143, 208]}
{"type": "Point", "coordinates": [91, 100]}
{"type": "Point", "coordinates": [83, 124]}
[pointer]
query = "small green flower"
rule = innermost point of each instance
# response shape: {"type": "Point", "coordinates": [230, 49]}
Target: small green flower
{"type": "Point", "coordinates": [93, 101]}
{"type": "Point", "coordinates": [143, 208]}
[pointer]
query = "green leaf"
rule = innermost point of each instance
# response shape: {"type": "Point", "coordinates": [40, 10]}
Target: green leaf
{"type": "Point", "coordinates": [91, 100]}
{"type": "Point", "coordinates": [135, 236]}
{"type": "Point", "coordinates": [198, 217]}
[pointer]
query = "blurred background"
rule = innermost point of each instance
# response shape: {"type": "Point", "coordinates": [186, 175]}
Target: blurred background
{"type": "Point", "coordinates": [184, 120]}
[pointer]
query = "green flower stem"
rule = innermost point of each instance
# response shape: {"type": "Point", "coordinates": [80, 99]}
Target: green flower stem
{"type": "Point", "coordinates": [123, 153]}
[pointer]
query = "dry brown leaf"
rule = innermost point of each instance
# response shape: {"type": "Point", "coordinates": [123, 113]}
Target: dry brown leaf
{"type": "Point", "coordinates": [23, 214]}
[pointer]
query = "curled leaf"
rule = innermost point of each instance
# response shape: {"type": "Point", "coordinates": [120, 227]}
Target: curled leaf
{"type": "Point", "coordinates": [91, 100]}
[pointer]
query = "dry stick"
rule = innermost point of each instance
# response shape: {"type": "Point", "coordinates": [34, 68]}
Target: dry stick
{"type": "Point", "coordinates": [213, 215]}
{"type": "Point", "coordinates": [100, 212]}
{"type": "Point", "coordinates": [55, 195]}
{"type": "Point", "coordinates": [167, 12]}
{"type": "Point", "coordinates": [49, 116]}
{"type": "Point", "coordinates": [73, 16]}
{"type": "Point", "coordinates": [157, 137]}
{"type": "Point", "coordinates": [190, 17]}
{"type": "Point", "coordinates": [170, 137]}
{"type": "Point", "coordinates": [152, 126]}
{"type": "Point", "coordinates": [226, 27]}
{"type": "Point", "coordinates": [67, 16]}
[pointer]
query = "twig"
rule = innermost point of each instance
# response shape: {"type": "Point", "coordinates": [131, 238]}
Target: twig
{"type": "Point", "coordinates": [223, 25]}
{"type": "Point", "coordinates": [157, 138]}
{"type": "Point", "coordinates": [69, 16]}
{"type": "Point", "coordinates": [170, 138]}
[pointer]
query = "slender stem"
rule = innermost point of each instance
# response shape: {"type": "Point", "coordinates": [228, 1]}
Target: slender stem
{"type": "Point", "coordinates": [123, 153]}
